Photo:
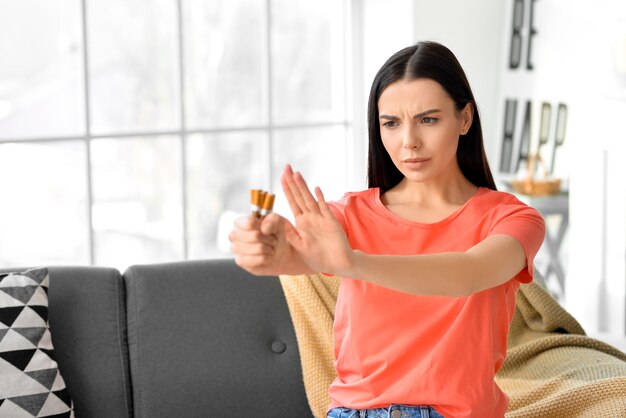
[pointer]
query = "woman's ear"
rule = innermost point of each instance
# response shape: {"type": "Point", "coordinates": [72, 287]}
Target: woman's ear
{"type": "Point", "coordinates": [467, 116]}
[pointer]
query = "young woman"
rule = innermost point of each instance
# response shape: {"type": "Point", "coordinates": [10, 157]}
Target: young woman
{"type": "Point", "coordinates": [430, 255]}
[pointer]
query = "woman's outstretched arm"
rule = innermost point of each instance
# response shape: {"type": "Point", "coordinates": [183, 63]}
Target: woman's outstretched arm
{"type": "Point", "coordinates": [321, 243]}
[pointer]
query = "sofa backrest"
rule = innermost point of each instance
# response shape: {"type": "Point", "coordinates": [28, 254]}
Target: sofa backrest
{"type": "Point", "coordinates": [207, 339]}
{"type": "Point", "coordinates": [88, 324]}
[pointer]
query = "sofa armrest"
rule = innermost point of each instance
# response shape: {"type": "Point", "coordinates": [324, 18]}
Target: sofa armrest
{"type": "Point", "coordinates": [87, 318]}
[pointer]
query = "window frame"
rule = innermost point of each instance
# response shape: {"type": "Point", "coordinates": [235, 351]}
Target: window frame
{"type": "Point", "coordinates": [353, 121]}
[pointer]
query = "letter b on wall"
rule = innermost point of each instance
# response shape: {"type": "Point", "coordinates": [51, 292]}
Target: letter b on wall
{"type": "Point", "coordinates": [522, 28]}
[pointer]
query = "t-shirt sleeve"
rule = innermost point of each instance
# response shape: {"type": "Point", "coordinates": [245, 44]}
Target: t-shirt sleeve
{"type": "Point", "coordinates": [338, 208]}
{"type": "Point", "coordinates": [525, 224]}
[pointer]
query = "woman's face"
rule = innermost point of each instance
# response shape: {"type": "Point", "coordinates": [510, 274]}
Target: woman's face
{"type": "Point", "coordinates": [420, 128]}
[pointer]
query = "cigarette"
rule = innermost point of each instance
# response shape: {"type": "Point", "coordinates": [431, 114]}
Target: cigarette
{"type": "Point", "coordinates": [262, 194]}
{"type": "Point", "coordinates": [261, 202]}
{"type": "Point", "coordinates": [255, 206]}
{"type": "Point", "coordinates": [268, 204]}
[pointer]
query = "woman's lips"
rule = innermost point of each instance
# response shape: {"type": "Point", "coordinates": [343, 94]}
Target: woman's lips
{"type": "Point", "coordinates": [415, 162]}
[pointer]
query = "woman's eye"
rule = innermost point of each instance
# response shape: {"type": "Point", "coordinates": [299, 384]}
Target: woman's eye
{"type": "Point", "coordinates": [390, 124]}
{"type": "Point", "coordinates": [429, 121]}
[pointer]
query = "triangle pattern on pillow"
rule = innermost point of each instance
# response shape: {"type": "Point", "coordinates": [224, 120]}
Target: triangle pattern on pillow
{"type": "Point", "coordinates": [21, 293]}
{"type": "Point", "coordinates": [17, 279]}
{"type": "Point", "coordinates": [58, 387]}
{"type": "Point", "coordinates": [29, 318]}
{"type": "Point", "coordinates": [31, 384]}
{"type": "Point", "coordinates": [9, 409]}
{"type": "Point", "coordinates": [31, 403]}
{"type": "Point", "coordinates": [45, 377]}
{"type": "Point", "coordinates": [55, 404]}
{"type": "Point", "coordinates": [6, 301]}
{"type": "Point", "coordinates": [42, 311]}
{"type": "Point", "coordinates": [9, 314]}
{"type": "Point", "coordinates": [32, 334]}
{"type": "Point", "coordinates": [39, 298]}
{"type": "Point", "coordinates": [13, 341]}
{"type": "Point", "coordinates": [39, 275]}
{"type": "Point", "coordinates": [18, 358]}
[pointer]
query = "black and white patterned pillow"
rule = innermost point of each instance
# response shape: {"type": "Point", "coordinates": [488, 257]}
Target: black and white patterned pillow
{"type": "Point", "coordinates": [30, 382]}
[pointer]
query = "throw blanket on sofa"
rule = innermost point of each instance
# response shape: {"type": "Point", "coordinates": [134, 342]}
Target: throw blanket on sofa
{"type": "Point", "coordinates": [552, 369]}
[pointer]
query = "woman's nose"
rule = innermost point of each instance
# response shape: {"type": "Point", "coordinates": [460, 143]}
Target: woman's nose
{"type": "Point", "coordinates": [411, 139]}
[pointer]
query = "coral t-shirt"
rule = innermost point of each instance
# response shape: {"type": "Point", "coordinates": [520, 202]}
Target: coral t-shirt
{"type": "Point", "coordinates": [396, 348]}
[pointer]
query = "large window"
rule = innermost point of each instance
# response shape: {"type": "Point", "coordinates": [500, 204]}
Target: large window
{"type": "Point", "coordinates": [130, 132]}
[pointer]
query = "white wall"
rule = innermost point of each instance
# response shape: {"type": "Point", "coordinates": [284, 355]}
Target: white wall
{"type": "Point", "coordinates": [580, 54]}
{"type": "Point", "coordinates": [596, 286]}
{"type": "Point", "coordinates": [473, 32]}
{"type": "Point", "coordinates": [381, 28]}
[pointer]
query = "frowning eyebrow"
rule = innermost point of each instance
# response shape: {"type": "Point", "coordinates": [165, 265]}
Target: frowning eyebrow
{"type": "Point", "coordinates": [418, 116]}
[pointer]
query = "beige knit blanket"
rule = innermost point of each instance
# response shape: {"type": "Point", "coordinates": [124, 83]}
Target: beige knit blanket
{"type": "Point", "coordinates": [551, 370]}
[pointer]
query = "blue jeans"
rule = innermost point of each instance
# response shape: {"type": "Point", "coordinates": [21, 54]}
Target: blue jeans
{"type": "Point", "coordinates": [393, 411]}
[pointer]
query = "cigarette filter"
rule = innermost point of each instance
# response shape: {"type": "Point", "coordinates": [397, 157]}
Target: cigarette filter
{"type": "Point", "coordinates": [268, 204]}
{"type": "Point", "coordinates": [255, 203]}
{"type": "Point", "coordinates": [261, 202]}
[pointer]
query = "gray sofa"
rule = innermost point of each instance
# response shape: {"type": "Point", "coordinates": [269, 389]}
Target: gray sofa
{"type": "Point", "coordinates": [184, 339]}
{"type": "Point", "coordinates": [207, 339]}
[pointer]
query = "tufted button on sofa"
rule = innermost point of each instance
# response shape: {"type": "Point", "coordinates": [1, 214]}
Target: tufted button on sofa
{"type": "Point", "coordinates": [185, 339]}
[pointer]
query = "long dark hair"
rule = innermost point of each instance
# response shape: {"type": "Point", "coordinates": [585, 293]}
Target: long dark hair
{"type": "Point", "coordinates": [436, 62]}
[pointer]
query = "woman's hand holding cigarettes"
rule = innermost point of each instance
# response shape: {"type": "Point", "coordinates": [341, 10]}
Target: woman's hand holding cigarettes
{"type": "Point", "coordinates": [259, 243]}
{"type": "Point", "coordinates": [265, 243]}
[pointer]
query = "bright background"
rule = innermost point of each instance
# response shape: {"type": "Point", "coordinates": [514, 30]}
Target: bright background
{"type": "Point", "coordinates": [131, 131]}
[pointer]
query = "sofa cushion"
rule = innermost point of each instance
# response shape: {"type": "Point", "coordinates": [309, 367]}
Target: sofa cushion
{"type": "Point", "coordinates": [207, 339]}
{"type": "Point", "coordinates": [32, 385]}
{"type": "Point", "coordinates": [88, 323]}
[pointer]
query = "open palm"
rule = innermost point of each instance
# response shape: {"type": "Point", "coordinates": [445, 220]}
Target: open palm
{"type": "Point", "coordinates": [317, 236]}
